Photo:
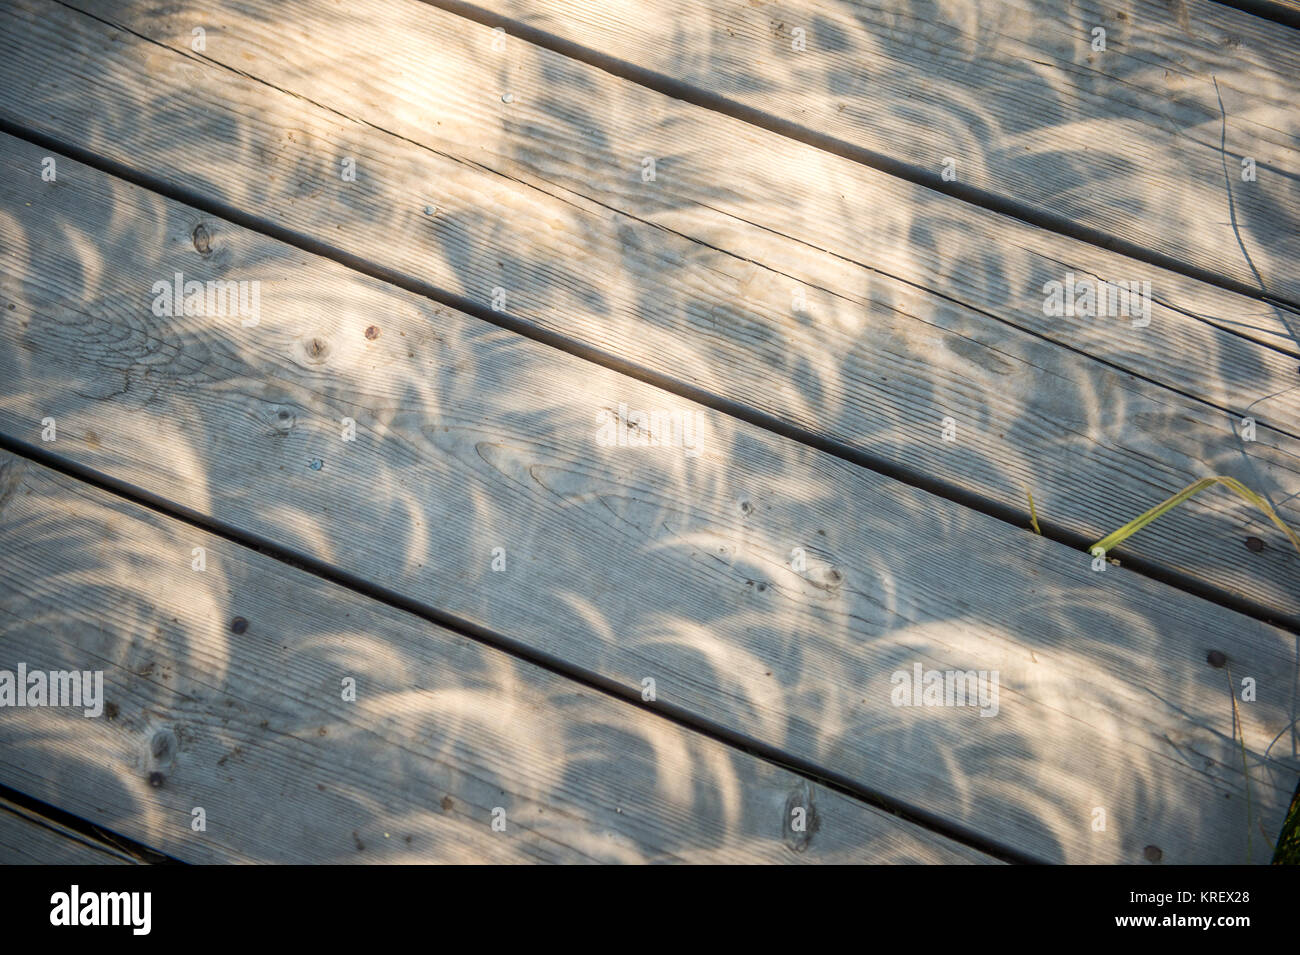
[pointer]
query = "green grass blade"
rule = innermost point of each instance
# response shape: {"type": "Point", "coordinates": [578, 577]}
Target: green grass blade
{"type": "Point", "coordinates": [1033, 514]}
{"type": "Point", "coordinates": [1115, 538]}
{"type": "Point", "coordinates": [1288, 844]}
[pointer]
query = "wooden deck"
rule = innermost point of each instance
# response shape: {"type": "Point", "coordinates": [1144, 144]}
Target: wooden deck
{"type": "Point", "coordinates": [628, 400]}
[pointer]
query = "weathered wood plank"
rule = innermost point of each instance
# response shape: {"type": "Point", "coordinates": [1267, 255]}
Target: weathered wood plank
{"type": "Point", "coordinates": [633, 562]}
{"type": "Point", "coordinates": [253, 729]}
{"type": "Point", "coordinates": [25, 841]}
{"type": "Point", "coordinates": [1136, 141]}
{"type": "Point", "coordinates": [872, 361]}
{"type": "Point", "coordinates": [553, 134]}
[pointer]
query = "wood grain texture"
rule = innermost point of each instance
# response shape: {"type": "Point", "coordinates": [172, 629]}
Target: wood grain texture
{"type": "Point", "coordinates": [718, 180]}
{"type": "Point", "coordinates": [28, 840]}
{"type": "Point", "coordinates": [1142, 141]}
{"type": "Point", "coordinates": [764, 586]}
{"type": "Point", "coordinates": [873, 359]}
{"type": "Point", "coordinates": [252, 727]}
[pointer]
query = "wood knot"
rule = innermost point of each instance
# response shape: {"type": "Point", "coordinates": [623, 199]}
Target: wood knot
{"type": "Point", "coordinates": [202, 239]}
{"type": "Point", "coordinates": [317, 349]}
{"type": "Point", "coordinates": [800, 818]}
{"type": "Point", "coordinates": [161, 746]}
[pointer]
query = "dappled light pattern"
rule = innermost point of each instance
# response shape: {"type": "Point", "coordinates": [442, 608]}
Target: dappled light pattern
{"type": "Point", "coordinates": [1131, 140]}
{"type": "Point", "coordinates": [249, 726]}
{"type": "Point", "coordinates": [926, 308]}
{"type": "Point", "coordinates": [629, 560]}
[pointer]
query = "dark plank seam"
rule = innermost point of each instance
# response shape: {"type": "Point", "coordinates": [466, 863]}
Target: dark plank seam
{"type": "Point", "coordinates": [716, 102]}
{"type": "Point", "coordinates": [1265, 10]}
{"type": "Point", "coordinates": [61, 822]}
{"type": "Point", "coordinates": [631, 696]}
{"type": "Point", "coordinates": [940, 488]}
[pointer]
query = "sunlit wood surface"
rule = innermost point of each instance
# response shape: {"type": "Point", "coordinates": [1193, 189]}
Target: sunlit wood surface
{"type": "Point", "coordinates": [630, 398]}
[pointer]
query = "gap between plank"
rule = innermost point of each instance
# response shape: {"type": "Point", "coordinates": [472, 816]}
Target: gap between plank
{"type": "Point", "coordinates": [592, 680]}
{"type": "Point", "coordinates": [62, 823]}
{"type": "Point", "coordinates": [1226, 329]}
{"type": "Point", "coordinates": [716, 102]}
{"type": "Point", "coordinates": [1266, 10]}
{"type": "Point", "coordinates": [1016, 517]}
